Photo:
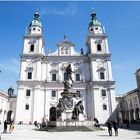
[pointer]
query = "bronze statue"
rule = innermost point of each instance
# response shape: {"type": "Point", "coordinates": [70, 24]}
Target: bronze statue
{"type": "Point", "coordinates": [60, 107]}
{"type": "Point", "coordinates": [77, 110]}
{"type": "Point", "coordinates": [69, 72]}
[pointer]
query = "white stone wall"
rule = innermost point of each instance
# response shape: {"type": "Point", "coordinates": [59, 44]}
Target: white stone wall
{"type": "Point", "coordinates": [41, 84]}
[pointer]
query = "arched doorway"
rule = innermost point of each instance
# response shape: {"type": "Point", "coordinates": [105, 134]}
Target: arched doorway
{"type": "Point", "coordinates": [137, 114]}
{"type": "Point", "coordinates": [10, 116]}
{"type": "Point", "coordinates": [52, 114]}
{"type": "Point", "coordinates": [132, 115]}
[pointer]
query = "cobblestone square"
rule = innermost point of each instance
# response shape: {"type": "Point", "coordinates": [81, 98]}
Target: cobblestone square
{"type": "Point", "coordinates": [28, 133]}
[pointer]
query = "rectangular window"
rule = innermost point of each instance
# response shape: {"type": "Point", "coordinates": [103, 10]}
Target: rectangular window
{"type": "Point", "coordinates": [103, 93]}
{"type": "Point", "coordinates": [65, 76]}
{"type": "Point", "coordinates": [104, 107]}
{"type": "Point", "coordinates": [102, 76]}
{"type": "Point", "coordinates": [29, 75]}
{"type": "Point", "coordinates": [28, 92]}
{"type": "Point", "coordinates": [53, 77]}
{"type": "Point", "coordinates": [26, 107]}
{"type": "Point", "coordinates": [77, 77]}
{"type": "Point", "coordinates": [53, 93]}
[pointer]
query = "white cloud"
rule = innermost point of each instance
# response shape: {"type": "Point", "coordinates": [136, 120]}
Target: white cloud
{"type": "Point", "coordinates": [67, 11]}
{"type": "Point", "coordinates": [10, 65]}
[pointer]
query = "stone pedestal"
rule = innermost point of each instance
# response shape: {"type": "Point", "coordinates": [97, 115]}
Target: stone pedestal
{"type": "Point", "coordinates": [68, 114]}
{"type": "Point", "coordinates": [81, 117]}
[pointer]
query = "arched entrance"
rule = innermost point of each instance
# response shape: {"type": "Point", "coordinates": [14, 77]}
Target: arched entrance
{"type": "Point", "coordinates": [10, 116]}
{"type": "Point", "coordinates": [132, 115]}
{"type": "Point", "coordinates": [137, 114]}
{"type": "Point", "coordinates": [52, 114]}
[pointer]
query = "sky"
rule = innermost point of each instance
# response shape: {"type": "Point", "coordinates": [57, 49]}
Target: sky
{"type": "Point", "coordinates": [121, 21]}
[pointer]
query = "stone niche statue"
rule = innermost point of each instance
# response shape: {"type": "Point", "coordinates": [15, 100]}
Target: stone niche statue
{"type": "Point", "coordinates": [77, 110]}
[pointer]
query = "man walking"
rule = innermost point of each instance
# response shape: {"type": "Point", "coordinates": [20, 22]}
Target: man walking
{"type": "Point", "coordinates": [5, 127]}
{"type": "Point", "coordinates": [115, 126]}
{"type": "Point", "coordinates": [109, 125]}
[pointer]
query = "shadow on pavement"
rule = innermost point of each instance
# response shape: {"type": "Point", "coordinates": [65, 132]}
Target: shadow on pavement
{"type": "Point", "coordinates": [135, 127]}
{"type": "Point", "coordinates": [104, 135]}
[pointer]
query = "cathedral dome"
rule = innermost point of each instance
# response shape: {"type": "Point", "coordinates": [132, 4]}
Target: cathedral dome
{"type": "Point", "coordinates": [36, 21]}
{"type": "Point", "coordinates": [94, 21]}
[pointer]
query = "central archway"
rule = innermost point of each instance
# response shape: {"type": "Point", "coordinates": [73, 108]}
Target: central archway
{"type": "Point", "coordinates": [52, 114]}
{"type": "Point", "coordinates": [10, 116]}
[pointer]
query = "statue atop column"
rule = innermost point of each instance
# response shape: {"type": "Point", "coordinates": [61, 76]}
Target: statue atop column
{"type": "Point", "coordinates": [66, 103]}
{"type": "Point", "coordinates": [69, 72]}
{"type": "Point", "coordinates": [68, 83]}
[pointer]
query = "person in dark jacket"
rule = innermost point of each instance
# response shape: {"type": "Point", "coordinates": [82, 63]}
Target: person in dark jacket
{"type": "Point", "coordinates": [96, 122]}
{"type": "Point", "coordinates": [109, 125]}
{"type": "Point", "coordinates": [5, 127]}
{"type": "Point", "coordinates": [115, 126]}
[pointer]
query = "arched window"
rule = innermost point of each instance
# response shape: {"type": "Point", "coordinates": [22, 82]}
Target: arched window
{"type": "Point", "coordinates": [104, 107]}
{"type": "Point", "coordinates": [27, 107]}
{"type": "Point", "coordinates": [32, 48]}
{"type": "Point", "coordinates": [99, 48]}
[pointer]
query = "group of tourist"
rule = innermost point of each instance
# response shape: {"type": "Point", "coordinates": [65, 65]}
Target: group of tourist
{"type": "Point", "coordinates": [41, 125]}
{"type": "Point", "coordinates": [112, 124]}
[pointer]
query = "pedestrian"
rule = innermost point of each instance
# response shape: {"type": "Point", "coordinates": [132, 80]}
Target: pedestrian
{"type": "Point", "coordinates": [5, 127]}
{"type": "Point", "coordinates": [127, 124]}
{"type": "Point", "coordinates": [11, 127]}
{"type": "Point", "coordinates": [109, 125]}
{"type": "Point", "coordinates": [115, 126]}
{"type": "Point", "coordinates": [96, 122]}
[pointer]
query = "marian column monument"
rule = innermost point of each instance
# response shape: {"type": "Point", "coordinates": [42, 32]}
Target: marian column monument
{"type": "Point", "coordinates": [70, 105]}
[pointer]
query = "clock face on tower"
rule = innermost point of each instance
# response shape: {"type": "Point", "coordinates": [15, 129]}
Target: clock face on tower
{"type": "Point", "coordinates": [32, 41]}
{"type": "Point", "coordinates": [65, 50]}
{"type": "Point", "coordinates": [98, 41]}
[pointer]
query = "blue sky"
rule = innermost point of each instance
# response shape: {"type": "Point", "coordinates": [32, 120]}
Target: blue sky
{"type": "Point", "coordinates": [121, 21]}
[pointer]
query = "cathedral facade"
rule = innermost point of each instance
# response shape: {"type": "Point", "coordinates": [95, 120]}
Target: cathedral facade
{"type": "Point", "coordinates": [41, 77]}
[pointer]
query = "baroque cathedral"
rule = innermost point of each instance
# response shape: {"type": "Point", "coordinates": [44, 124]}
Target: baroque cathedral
{"type": "Point", "coordinates": [41, 78]}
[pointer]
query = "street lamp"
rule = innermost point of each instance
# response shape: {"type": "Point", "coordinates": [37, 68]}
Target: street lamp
{"type": "Point", "coordinates": [10, 91]}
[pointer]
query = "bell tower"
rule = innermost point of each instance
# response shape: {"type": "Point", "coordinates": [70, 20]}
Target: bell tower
{"type": "Point", "coordinates": [102, 84]}
{"type": "Point", "coordinates": [32, 67]}
{"type": "Point", "coordinates": [33, 40]}
{"type": "Point", "coordinates": [98, 52]}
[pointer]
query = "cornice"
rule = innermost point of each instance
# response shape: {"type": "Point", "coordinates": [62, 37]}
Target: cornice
{"type": "Point", "coordinates": [31, 56]}
{"type": "Point", "coordinates": [33, 36]}
{"type": "Point", "coordinates": [95, 56]}
{"type": "Point", "coordinates": [103, 35]}
{"type": "Point", "coordinates": [103, 83]}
